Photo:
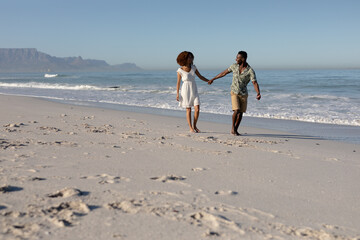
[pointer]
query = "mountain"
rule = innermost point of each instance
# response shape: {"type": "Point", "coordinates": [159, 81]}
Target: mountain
{"type": "Point", "coordinates": [31, 60]}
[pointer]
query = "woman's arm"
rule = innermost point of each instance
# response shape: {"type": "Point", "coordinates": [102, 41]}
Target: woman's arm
{"type": "Point", "coordinates": [178, 86]}
{"type": "Point", "coordinates": [200, 76]}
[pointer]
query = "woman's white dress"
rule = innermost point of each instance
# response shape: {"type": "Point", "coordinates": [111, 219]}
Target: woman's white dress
{"type": "Point", "coordinates": [189, 96]}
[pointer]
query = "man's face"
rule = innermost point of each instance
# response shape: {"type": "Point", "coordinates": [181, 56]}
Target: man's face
{"type": "Point", "coordinates": [239, 59]}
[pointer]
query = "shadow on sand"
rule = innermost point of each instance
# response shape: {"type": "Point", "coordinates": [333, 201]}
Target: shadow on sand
{"type": "Point", "coordinates": [286, 136]}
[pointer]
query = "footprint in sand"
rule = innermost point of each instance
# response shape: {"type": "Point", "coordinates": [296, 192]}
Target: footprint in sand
{"type": "Point", "coordinates": [11, 145]}
{"type": "Point", "coordinates": [102, 129]}
{"type": "Point", "coordinates": [106, 178]}
{"type": "Point", "coordinates": [330, 227]}
{"type": "Point", "coordinates": [52, 129]}
{"type": "Point", "coordinates": [169, 178]}
{"type": "Point", "coordinates": [209, 139]}
{"type": "Point", "coordinates": [8, 189]}
{"type": "Point", "coordinates": [198, 169]}
{"type": "Point", "coordinates": [64, 214]}
{"type": "Point", "coordinates": [228, 192]}
{"type": "Point", "coordinates": [37, 179]}
{"type": "Point", "coordinates": [66, 192]}
{"type": "Point", "coordinates": [210, 233]}
{"type": "Point", "coordinates": [14, 125]}
{"type": "Point", "coordinates": [214, 223]}
{"type": "Point", "coordinates": [88, 117]}
{"type": "Point", "coordinates": [127, 206]}
{"type": "Point", "coordinates": [22, 230]}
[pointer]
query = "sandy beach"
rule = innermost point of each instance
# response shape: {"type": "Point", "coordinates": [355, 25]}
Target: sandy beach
{"type": "Point", "coordinates": [75, 172]}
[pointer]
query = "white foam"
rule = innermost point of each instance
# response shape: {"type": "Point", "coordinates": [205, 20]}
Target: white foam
{"type": "Point", "coordinates": [50, 75]}
{"type": "Point", "coordinates": [51, 86]}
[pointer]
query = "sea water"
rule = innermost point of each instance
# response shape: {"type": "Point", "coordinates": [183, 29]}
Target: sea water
{"type": "Point", "coordinates": [317, 96]}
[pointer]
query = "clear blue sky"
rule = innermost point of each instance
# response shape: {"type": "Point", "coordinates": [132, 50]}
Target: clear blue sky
{"type": "Point", "coordinates": [276, 34]}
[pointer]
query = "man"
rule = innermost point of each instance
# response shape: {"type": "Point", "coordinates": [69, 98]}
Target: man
{"type": "Point", "coordinates": [242, 75]}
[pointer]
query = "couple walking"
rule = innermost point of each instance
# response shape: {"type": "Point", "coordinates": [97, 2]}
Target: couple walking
{"type": "Point", "coordinates": [189, 96]}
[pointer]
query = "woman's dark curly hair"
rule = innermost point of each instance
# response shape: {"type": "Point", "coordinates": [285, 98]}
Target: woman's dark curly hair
{"type": "Point", "coordinates": [183, 57]}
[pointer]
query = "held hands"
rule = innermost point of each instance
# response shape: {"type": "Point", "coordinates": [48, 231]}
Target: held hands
{"type": "Point", "coordinates": [210, 81]}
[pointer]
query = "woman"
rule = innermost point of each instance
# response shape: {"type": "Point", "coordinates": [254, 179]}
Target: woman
{"type": "Point", "coordinates": [189, 94]}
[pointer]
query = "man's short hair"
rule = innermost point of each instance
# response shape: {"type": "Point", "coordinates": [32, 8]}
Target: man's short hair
{"type": "Point", "coordinates": [243, 53]}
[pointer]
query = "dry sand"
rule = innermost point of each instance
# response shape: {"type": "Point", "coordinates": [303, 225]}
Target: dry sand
{"type": "Point", "coordinates": [73, 172]}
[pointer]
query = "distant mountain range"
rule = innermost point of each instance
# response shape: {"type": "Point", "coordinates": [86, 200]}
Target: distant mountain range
{"type": "Point", "coordinates": [31, 60]}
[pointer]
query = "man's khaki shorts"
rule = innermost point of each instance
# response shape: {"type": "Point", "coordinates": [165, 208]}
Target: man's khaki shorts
{"type": "Point", "coordinates": [239, 102]}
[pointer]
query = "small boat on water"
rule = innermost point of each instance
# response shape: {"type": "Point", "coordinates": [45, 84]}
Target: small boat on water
{"type": "Point", "coordinates": [50, 75]}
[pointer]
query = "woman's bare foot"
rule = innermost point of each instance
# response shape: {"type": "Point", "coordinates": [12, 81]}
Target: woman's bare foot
{"type": "Point", "coordinates": [192, 130]}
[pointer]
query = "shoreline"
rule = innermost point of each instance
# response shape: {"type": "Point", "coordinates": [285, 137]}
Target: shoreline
{"type": "Point", "coordinates": [326, 131]}
{"type": "Point", "coordinates": [71, 172]}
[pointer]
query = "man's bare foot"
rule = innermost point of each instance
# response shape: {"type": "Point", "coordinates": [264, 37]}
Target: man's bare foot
{"type": "Point", "coordinates": [197, 130]}
{"type": "Point", "coordinates": [235, 133]}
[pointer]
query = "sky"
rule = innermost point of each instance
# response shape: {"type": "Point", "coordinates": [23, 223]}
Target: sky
{"type": "Point", "coordinates": [276, 34]}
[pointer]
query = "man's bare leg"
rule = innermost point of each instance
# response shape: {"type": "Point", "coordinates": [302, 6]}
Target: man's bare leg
{"type": "Point", "coordinates": [237, 123]}
{"type": "Point", "coordinates": [235, 117]}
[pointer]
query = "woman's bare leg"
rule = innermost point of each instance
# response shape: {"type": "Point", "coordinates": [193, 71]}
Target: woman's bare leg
{"type": "Point", "coordinates": [196, 117]}
{"type": "Point", "coordinates": [188, 118]}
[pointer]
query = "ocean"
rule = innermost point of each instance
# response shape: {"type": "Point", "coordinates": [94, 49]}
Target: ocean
{"type": "Point", "coordinates": [330, 98]}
